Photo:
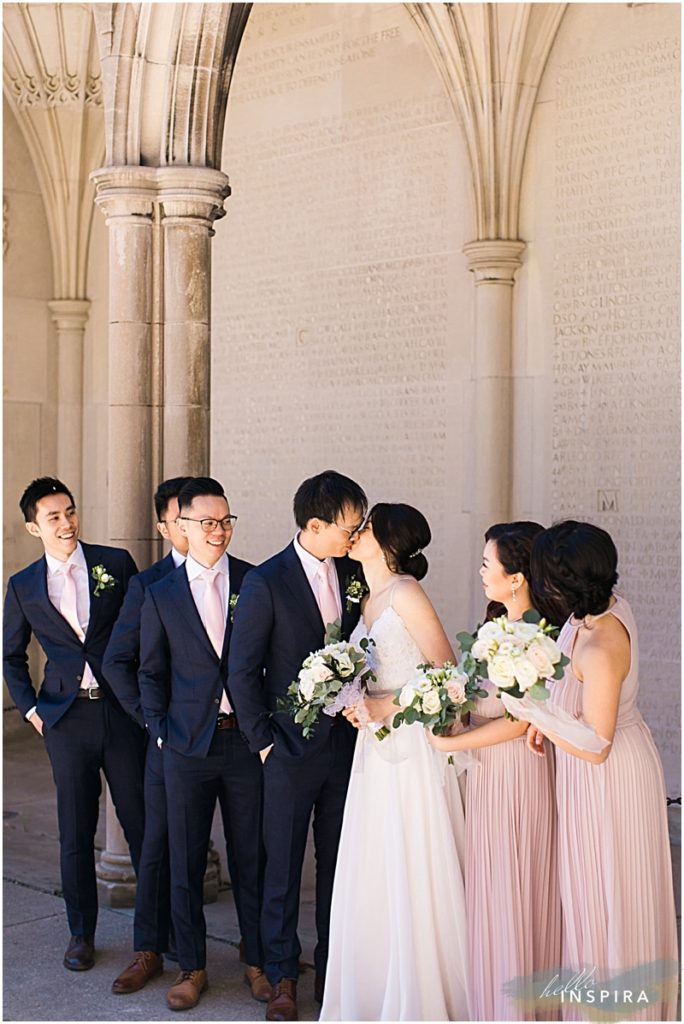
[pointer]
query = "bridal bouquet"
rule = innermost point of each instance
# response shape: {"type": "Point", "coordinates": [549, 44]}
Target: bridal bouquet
{"type": "Point", "coordinates": [437, 697]}
{"type": "Point", "coordinates": [517, 657]}
{"type": "Point", "coordinates": [329, 680]}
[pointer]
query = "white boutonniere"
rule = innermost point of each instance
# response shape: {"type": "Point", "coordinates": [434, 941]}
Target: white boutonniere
{"type": "Point", "coordinates": [355, 591]}
{"type": "Point", "coordinates": [232, 604]}
{"type": "Point", "coordinates": [103, 579]}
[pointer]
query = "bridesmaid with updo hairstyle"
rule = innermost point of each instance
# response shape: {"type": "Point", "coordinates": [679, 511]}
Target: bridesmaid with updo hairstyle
{"type": "Point", "coordinates": [510, 864]}
{"type": "Point", "coordinates": [614, 857]}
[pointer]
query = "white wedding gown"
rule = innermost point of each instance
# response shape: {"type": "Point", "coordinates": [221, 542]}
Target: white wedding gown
{"type": "Point", "coordinates": [398, 936]}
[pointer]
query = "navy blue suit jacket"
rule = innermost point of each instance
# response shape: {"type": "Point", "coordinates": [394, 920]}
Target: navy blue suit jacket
{"type": "Point", "coordinates": [28, 610]}
{"type": "Point", "coordinates": [181, 677]}
{"type": "Point", "coordinates": [122, 657]}
{"type": "Point", "coordinates": [277, 624]}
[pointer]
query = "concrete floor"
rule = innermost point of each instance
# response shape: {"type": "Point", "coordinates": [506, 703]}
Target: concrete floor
{"type": "Point", "coordinates": [36, 987]}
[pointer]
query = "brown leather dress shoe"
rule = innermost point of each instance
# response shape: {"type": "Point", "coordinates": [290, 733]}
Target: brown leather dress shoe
{"type": "Point", "coordinates": [283, 1002]}
{"type": "Point", "coordinates": [144, 966]}
{"type": "Point", "coordinates": [187, 989]}
{"type": "Point", "coordinates": [319, 987]}
{"type": "Point", "coordinates": [259, 984]}
{"type": "Point", "coordinates": [80, 953]}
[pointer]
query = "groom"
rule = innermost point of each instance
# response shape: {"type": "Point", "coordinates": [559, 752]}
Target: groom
{"type": "Point", "coordinates": [285, 605]}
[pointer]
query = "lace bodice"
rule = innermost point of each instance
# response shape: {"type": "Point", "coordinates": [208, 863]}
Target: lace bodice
{"type": "Point", "coordinates": [393, 655]}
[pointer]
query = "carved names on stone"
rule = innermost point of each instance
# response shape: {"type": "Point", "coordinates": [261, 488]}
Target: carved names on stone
{"type": "Point", "coordinates": [615, 429]}
{"type": "Point", "coordinates": [332, 340]}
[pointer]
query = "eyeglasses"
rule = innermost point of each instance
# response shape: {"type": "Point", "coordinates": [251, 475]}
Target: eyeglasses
{"type": "Point", "coordinates": [350, 531]}
{"type": "Point", "coordinates": [209, 525]}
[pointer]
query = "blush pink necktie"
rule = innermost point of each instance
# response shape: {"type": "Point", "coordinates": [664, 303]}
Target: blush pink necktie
{"type": "Point", "coordinates": [68, 606]}
{"type": "Point", "coordinates": [327, 601]}
{"type": "Point", "coordinates": [215, 621]}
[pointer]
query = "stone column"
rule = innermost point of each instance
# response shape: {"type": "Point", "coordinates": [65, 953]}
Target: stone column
{"type": "Point", "coordinates": [191, 199]}
{"type": "Point", "coordinates": [70, 317]}
{"type": "Point", "coordinates": [494, 263]}
{"type": "Point", "coordinates": [160, 225]}
{"type": "Point", "coordinates": [126, 196]}
{"type": "Point", "coordinates": [116, 881]}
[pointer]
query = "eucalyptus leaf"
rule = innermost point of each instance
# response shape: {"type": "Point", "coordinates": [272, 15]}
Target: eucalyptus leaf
{"type": "Point", "coordinates": [465, 641]}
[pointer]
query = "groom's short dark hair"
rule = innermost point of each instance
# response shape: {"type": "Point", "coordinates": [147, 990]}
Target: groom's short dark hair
{"type": "Point", "coordinates": [41, 488]}
{"type": "Point", "coordinates": [326, 496]}
{"type": "Point", "coordinates": [199, 487]}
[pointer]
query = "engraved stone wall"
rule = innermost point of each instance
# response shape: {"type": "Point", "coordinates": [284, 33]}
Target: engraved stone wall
{"type": "Point", "coordinates": [607, 221]}
{"type": "Point", "coordinates": [341, 306]}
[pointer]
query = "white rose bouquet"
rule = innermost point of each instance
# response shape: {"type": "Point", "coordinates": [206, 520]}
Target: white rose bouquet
{"type": "Point", "coordinates": [517, 657]}
{"type": "Point", "coordinates": [329, 680]}
{"type": "Point", "coordinates": [437, 697]}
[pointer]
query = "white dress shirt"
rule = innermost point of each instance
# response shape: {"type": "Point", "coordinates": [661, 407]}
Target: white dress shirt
{"type": "Point", "coordinates": [178, 559]}
{"type": "Point", "coordinates": [311, 566]}
{"type": "Point", "coordinates": [55, 586]}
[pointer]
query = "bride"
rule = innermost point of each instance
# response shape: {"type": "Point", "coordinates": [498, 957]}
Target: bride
{"type": "Point", "coordinates": [398, 936]}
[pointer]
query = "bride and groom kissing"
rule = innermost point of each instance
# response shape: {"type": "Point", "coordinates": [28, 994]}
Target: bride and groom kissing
{"type": "Point", "coordinates": [388, 828]}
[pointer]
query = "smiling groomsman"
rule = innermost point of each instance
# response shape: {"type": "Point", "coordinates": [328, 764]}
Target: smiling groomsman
{"type": "Point", "coordinates": [69, 600]}
{"type": "Point", "coordinates": [185, 636]}
{"type": "Point", "coordinates": [152, 921]}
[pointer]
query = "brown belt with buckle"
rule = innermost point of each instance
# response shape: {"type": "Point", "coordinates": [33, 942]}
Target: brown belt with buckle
{"type": "Point", "coordinates": [91, 693]}
{"type": "Point", "coordinates": [227, 721]}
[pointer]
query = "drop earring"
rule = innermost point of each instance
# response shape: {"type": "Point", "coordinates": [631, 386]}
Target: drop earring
{"type": "Point", "coordinates": [514, 596]}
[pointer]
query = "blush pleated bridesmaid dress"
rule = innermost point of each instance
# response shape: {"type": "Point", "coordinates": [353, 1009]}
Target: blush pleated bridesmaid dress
{"type": "Point", "coordinates": [511, 875]}
{"type": "Point", "coordinates": [614, 861]}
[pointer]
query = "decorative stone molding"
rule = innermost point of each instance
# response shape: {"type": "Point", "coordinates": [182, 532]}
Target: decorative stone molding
{"type": "Point", "coordinates": [185, 52]}
{"type": "Point", "coordinates": [179, 193]}
{"type": "Point", "coordinates": [491, 62]}
{"type": "Point", "coordinates": [56, 90]}
{"type": "Point", "coordinates": [69, 314]}
{"type": "Point", "coordinates": [494, 261]}
{"type": "Point", "coordinates": [53, 83]}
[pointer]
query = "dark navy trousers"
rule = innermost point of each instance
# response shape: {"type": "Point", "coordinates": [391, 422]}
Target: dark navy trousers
{"type": "Point", "coordinates": [233, 776]}
{"type": "Point", "coordinates": [93, 735]}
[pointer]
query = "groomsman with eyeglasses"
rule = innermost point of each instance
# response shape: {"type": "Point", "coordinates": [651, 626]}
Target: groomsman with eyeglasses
{"type": "Point", "coordinates": [185, 637]}
{"type": "Point", "coordinates": [152, 921]}
{"type": "Point", "coordinates": [69, 600]}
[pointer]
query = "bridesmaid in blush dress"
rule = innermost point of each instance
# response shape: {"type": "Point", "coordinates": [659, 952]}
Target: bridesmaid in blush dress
{"type": "Point", "coordinates": [614, 857]}
{"type": "Point", "coordinates": [511, 875]}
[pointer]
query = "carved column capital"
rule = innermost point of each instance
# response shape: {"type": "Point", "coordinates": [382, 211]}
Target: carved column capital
{"type": "Point", "coordinates": [125, 191]}
{"type": "Point", "coordinates": [69, 314]}
{"type": "Point", "coordinates": [494, 260]}
{"type": "Point", "coordinates": [197, 193]}
{"type": "Point", "coordinates": [181, 193]}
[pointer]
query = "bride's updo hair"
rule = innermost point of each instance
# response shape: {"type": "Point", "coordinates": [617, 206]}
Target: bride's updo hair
{"type": "Point", "coordinates": [578, 562]}
{"type": "Point", "coordinates": [402, 532]}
